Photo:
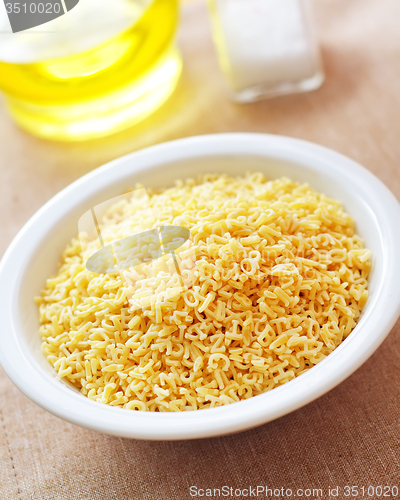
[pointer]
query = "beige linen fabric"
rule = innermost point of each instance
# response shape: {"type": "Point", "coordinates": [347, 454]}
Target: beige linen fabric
{"type": "Point", "coordinates": [350, 436]}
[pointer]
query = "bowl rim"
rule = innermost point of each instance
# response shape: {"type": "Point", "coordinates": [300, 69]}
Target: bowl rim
{"type": "Point", "coordinates": [56, 398]}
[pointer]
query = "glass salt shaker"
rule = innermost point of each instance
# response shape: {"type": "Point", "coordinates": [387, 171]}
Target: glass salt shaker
{"type": "Point", "coordinates": [266, 47]}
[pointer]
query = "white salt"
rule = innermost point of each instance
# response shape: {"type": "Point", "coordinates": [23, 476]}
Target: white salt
{"type": "Point", "coordinates": [265, 42]}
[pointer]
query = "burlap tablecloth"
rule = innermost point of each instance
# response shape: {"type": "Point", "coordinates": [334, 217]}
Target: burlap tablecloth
{"type": "Point", "coordinates": [349, 437]}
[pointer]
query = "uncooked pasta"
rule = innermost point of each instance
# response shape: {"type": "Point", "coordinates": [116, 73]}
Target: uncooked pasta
{"type": "Point", "coordinates": [279, 281]}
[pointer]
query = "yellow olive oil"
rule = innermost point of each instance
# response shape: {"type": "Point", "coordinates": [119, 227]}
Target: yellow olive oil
{"type": "Point", "coordinates": [101, 90]}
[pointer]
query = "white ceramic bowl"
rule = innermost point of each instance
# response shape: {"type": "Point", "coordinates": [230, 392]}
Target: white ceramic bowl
{"type": "Point", "coordinates": [35, 252]}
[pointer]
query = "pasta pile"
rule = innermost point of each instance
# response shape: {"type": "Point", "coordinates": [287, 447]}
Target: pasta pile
{"type": "Point", "coordinates": [280, 281]}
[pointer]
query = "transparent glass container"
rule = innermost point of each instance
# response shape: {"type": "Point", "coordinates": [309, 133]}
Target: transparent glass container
{"type": "Point", "coordinates": [266, 47]}
{"type": "Point", "coordinates": [97, 68]}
